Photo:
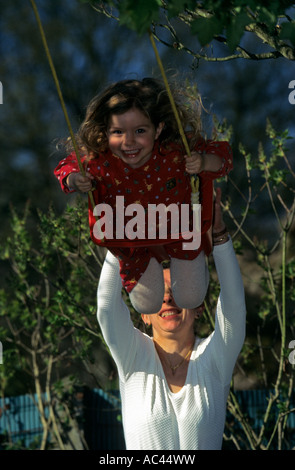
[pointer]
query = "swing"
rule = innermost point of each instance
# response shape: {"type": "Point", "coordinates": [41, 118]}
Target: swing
{"type": "Point", "coordinates": [194, 179]}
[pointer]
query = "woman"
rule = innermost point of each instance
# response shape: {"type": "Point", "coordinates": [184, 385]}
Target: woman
{"type": "Point", "coordinates": [174, 386]}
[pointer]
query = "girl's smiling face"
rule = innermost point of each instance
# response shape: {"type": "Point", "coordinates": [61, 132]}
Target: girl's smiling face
{"type": "Point", "coordinates": [131, 136]}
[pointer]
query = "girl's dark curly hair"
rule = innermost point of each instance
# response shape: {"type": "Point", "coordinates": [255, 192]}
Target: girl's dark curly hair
{"type": "Point", "coordinates": [150, 97]}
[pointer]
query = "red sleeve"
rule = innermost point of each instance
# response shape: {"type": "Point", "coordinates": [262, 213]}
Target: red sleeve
{"type": "Point", "coordinates": [221, 149]}
{"type": "Point", "coordinates": [64, 168]}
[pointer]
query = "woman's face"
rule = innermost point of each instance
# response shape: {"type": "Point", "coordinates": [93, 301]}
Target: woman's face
{"type": "Point", "coordinates": [171, 319]}
{"type": "Point", "coordinates": [131, 136]}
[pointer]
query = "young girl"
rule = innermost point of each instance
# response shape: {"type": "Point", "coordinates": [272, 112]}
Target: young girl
{"type": "Point", "coordinates": [131, 147]}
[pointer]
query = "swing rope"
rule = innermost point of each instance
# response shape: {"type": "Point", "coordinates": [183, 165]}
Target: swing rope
{"type": "Point", "coordinates": [194, 179]}
{"type": "Point", "coordinates": [61, 99]}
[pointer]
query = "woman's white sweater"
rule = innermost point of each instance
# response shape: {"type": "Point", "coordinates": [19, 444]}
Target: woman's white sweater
{"type": "Point", "coordinates": [154, 418]}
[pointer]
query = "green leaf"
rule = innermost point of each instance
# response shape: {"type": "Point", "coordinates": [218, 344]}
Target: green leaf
{"type": "Point", "coordinates": [236, 29]}
{"type": "Point", "coordinates": [178, 6]}
{"type": "Point", "coordinates": [288, 32]}
{"type": "Point", "coordinates": [206, 29]}
{"type": "Point", "coordinates": [139, 14]}
{"type": "Point", "coordinates": [267, 15]}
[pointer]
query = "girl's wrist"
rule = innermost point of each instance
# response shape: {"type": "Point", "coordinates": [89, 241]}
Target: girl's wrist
{"type": "Point", "coordinates": [211, 162]}
{"type": "Point", "coordinates": [70, 181]}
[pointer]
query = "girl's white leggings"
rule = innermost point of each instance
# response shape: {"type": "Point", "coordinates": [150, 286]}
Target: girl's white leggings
{"type": "Point", "coordinates": [189, 283]}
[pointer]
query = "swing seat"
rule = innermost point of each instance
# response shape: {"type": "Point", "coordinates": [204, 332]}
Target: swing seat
{"type": "Point", "coordinates": [103, 239]}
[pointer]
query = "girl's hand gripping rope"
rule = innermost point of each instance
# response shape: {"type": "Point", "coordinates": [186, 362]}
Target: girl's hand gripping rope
{"type": "Point", "coordinates": [194, 163]}
{"type": "Point", "coordinates": [81, 183]}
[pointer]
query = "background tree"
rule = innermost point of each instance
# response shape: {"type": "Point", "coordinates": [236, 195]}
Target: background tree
{"type": "Point", "coordinates": [220, 21]}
